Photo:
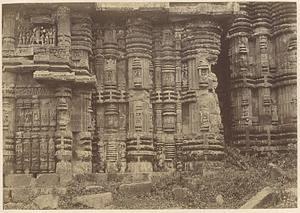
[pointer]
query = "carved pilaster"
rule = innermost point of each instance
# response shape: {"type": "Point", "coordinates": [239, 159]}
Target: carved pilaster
{"type": "Point", "coordinates": [200, 109]}
{"type": "Point", "coordinates": [140, 140]}
{"type": "Point", "coordinates": [8, 128]}
{"type": "Point", "coordinates": [63, 26]}
{"type": "Point", "coordinates": [63, 134]}
{"type": "Point", "coordinates": [9, 26]}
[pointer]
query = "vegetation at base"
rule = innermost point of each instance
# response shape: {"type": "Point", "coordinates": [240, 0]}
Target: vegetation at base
{"type": "Point", "coordinates": [236, 186]}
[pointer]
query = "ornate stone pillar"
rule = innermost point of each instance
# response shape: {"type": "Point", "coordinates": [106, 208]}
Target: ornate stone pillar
{"type": "Point", "coordinates": [111, 96]}
{"type": "Point", "coordinates": [140, 148]}
{"type": "Point", "coordinates": [81, 51]}
{"type": "Point", "coordinates": [63, 134]}
{"type": "Point", "coordinates": [201, 128]}
{"type": "Point", "coordinates": [8, 128]}
{"type": "Point", "coordinates": [241, 93]}
{"type": "Point", "coordinates": [63, 26]}
{"type": "Point", "coordinates": [169, 95]}
{"type": "Point", "coordinates": [8, 28]}
{"type": "Point", "coordinates": [285, 39]}
{"type": "Point", "coordinates": [157, 100]}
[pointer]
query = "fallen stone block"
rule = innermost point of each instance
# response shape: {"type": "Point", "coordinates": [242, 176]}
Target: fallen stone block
{"type": "Point", "coordinates": [21, 194]}
{"type": "Point", "coordinates": [95, 201]}
{"type": "Point", "coordinates": [47, 180]}
{"type": "Point", "coordinates": [261, 198]}
{"type": "Point", "coordinates": [180, 193]}
{"type": "Point", "coordinates": [46, 201]}
{"type": "Point", "coordinates": [17, 180]}
{"type": "Point", "coordinates": [135, 188]}
{"type": "Point", "coordinates": [219, 200]}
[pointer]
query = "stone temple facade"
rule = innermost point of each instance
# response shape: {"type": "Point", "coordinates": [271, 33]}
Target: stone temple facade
{"type": "Point", "coordinates": [142, 87]}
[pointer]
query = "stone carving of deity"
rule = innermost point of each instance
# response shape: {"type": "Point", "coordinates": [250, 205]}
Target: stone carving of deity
{"type": "Point", "coordinates": [138, 119]}
{"type": "Point", "coordinates": [274, 111]}
{"type": "Point", "coordinates": [160, 159]}
{"type": "Point", "coordinates": [121, 164]}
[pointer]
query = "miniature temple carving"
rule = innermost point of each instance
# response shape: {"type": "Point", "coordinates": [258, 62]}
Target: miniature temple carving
{"type": "Point", "coordinates": [86, 91]}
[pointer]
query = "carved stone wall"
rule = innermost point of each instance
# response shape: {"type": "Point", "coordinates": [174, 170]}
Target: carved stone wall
{"type": "Point", "coordinates": [95, 88]}
{"type": "Point", "coordinates": [263, 76]}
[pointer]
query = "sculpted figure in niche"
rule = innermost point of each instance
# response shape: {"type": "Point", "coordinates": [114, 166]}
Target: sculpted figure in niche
{"type": "Point", "coordinates": [274, 111]}
{"type": "Point", "coordinates": [160, 159]}
{"type": "Point", "coordinates": [138, 119]}
{"type": "Point", "coordinates": [28, 117]}
{"type": "Point", "coordinates": [101, 150]}
{"type": "Point", "coordinates": [121, 164]}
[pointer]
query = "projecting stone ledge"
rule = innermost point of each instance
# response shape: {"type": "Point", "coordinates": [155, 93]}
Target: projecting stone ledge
{"type": "Point", "coordinates": [174, 8]}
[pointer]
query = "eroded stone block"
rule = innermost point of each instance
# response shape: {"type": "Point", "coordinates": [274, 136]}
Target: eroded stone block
{"type": "Point", "coordinates": [135, 188]}
{"type": "Point", "coordinates": [47, 201]}
{"type": "Point", "coordinates": [95, 201]}
{"type": "Point", "coordinates": [17, 180]}
{"type": "Point", "coordinates": [21, 194]}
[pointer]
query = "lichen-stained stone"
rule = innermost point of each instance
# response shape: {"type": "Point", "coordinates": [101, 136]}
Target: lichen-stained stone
{"type": "Point", "coordinates": [47, 201]}
{"type": "Point", "coordinates": [95, 201]}
{"type": "Point", "coordinates": [135, 188]}
{"type": "Point", "coordinates": [17, 180]}
{"type": "Point", "coordinates": [47, 180]}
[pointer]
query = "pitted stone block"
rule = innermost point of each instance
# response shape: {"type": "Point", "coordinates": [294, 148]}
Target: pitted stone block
{"type": "Point", "coordinates": [17, 180]}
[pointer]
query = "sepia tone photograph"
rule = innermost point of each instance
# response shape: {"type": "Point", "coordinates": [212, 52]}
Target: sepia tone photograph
{"type": "Point", "coordinates": [149, 105]}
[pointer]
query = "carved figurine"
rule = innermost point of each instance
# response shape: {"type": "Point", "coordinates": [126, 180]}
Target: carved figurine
{"type": "Point", "coordinates": [160, 159]}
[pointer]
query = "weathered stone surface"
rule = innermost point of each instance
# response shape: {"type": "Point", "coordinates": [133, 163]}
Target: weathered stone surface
{"type": "Point", "coordinates": [47, 201]}
{"type": "Point", "coordinates": [180, 193]}
{"type": "Point", "coordinates": [219, 200]}
{"type": "Point", "coordinates": [147, 91]}
{"type": "Point", "coordinates": [17, 180]}
{"type": "Point", "coordinates": [95, 201]}
{"type": "Point", "coordinates": [135, 188]}
{"type": "Point", "coordinates": [6, 195]}
{"type": "Point", "coordinates": [65, 178]}
{"type": "Point", "coordinates": [47, 180]}
{"type": "Point", "coordinates": [263, 196]}
{"type": "Point", "coordinates": [21, 194]}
